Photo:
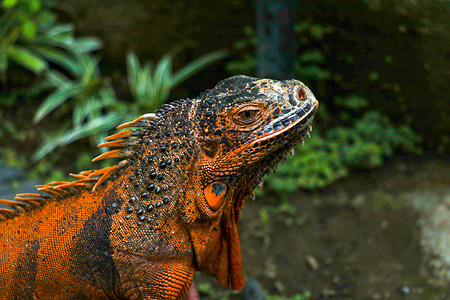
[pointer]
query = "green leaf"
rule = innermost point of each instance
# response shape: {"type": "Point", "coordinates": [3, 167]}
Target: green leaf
{"type": "Point", "coordinates": [46, 19]}
{"type": "Point", "coordinates": [29, 30]}
{"type": "Point", "coordinates": [108, 96]}
{"type": "Point", "coordinates": [353, 102]}
{"type": "Point", "coordinates": [312, 56]}
{"type": "Point", "coordinates": [27, 59]}
{"type": "Point", "coordinates": [162, 79]}
{"type": "Point", "coordinates": [50, 143]}
{"type": "Point", "coordinates": [196, 66]}
{"type": "Point", "coordinates": [87, 45]}
{"type": "Point", "coordinates": [55, 99]}
{"type": "Point", "coordinates": [140, 80]}
{"type": "Point", "coordinates": [35, 5]}
{"type": "Point", "coordinates": [90, 128]}
{"type": "Point", "coordinates": [89, 71]}
{"type": "Point", "coordinates": [78, 115]}
{"type": "Point", "coordinates": [56, 79]}
{"type": "Point", "coordinates": [3, 61]}
{"type": "Point", "coordinates": [9, 3]}
{"type": "Point", "coordinates": [61, 30]}
{"type": "Point", "coordinates": [59, 57]}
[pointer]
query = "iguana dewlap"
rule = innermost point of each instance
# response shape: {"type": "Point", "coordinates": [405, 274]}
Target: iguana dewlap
{"type": "Point", "coordinates": [141, 228]}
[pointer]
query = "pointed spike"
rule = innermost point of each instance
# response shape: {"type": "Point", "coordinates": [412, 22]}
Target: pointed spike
{"type": "Point", "coordinates": [56, 183]}
{"type": "Point", "coordinates": [98, 172]}
{"type": "Point", "coordinates": [149, 116]}
{"type": "Point", "coordinates": [27, 202]}
{"type": "Point", "coordinates": [108, 172]}
{"type": "Point", "coordinates": [30, 195]}
{"type": "Point", "coordinates": [302, 141]}
{"type": "Point", "coordinates": [32, 199]}
{"type": "Point", "coordinates": [79, 184]}
{"type": "Point", "coordinates": [125, 125]}
{"type": "Point", "coordinates": [55, 193]}
{"type": "Point", "coordinates": [8, 210]}
{"type": "Point", "coordinates": [308, 134]}
{"type": "Point", "coordinates": [77, 175]}
{"type": "Point", "coordinates": [292, 152]}
{"type": "Point", "coordinates": [117, 143]}
{"type": "Point", "coordinates": [119, 135]}
{"type": "Point", "coordinates": [86, 172]}
{"type": "Point", "coordinates": [135, 123]}
{"type": "Point", "coordinates": [12, 203]}
{"type": "Point", "coordinates": [109, 154]}
{"type": "Point", "coordinates": [309, 127]}
{"type": "Point", "coordinates": [86, 179]}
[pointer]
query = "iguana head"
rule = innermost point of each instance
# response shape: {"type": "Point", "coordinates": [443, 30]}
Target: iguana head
{"type": "Point", "coordinates": [244, 127]}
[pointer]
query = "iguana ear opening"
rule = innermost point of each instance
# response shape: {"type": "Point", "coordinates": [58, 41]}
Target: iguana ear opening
{"type": "Point", "coordinates": [210, 148]}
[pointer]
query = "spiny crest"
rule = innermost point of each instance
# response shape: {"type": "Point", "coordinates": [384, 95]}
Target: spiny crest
{"type": "Point", "coordinates": [90, 179]}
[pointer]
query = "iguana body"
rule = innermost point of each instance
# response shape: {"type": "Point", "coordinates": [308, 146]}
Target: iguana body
{"type": "Point", "coordinates": [143, 228]}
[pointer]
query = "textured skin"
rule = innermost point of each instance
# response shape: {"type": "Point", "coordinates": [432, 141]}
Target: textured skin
{"type": "Point", "coordinates": [141, 228]}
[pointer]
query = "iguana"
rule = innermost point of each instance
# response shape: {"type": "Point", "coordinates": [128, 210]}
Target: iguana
{"type": "Point", "coordinates": [141, 228]}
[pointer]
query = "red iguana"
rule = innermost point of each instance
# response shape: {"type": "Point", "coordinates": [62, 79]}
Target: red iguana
{"type": "Point", "coordinates": [141, 228]}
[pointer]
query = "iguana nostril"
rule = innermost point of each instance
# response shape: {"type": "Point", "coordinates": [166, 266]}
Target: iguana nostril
{"type": "Point", "coordinates": [302, 95]}
{"type": "Point", "coordinates": [276, 112]}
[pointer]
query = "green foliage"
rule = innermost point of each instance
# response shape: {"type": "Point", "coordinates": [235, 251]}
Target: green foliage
{"type": "Point", "coordinates": [31, 37]}
{"type": "Point", "coordinates": [65, 73]}
{"type": "Point", "coordinates": [316, 164]}
{"type": "Point", "coordinates": [19, 21]}
{"type": "Point", "coordinates": [285, 209]}
{"type": "Point", "coordinates": [324, 159]}
{"type": "Point", "coordinates": [214, 292]}
{"type": "Point", "coordinates": [151, 86]}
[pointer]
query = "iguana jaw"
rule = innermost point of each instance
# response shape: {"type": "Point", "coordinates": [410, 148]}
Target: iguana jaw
{"type": "Point", "coordinates": [297, 121]}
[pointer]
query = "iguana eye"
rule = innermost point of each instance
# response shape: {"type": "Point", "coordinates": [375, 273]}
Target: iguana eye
{"type": "Point", "coordinates": [246, 116]}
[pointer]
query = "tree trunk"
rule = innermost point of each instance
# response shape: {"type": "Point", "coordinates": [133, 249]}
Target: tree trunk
{"type": "Point", "coordinates": [276, 49]}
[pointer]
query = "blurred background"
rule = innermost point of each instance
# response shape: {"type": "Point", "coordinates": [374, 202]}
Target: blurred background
{"type": "Point", "coordinates": [362, 211]}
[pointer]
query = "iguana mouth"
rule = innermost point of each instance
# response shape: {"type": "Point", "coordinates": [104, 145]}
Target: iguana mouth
{"type": "Point", "coordinates": [299, 117]}
{"type": "Point", "coordinates": [289, 129]}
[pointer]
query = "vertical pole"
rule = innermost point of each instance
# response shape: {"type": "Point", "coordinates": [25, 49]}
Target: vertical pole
{"type": "Point", "coordinates": [276, 48]}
